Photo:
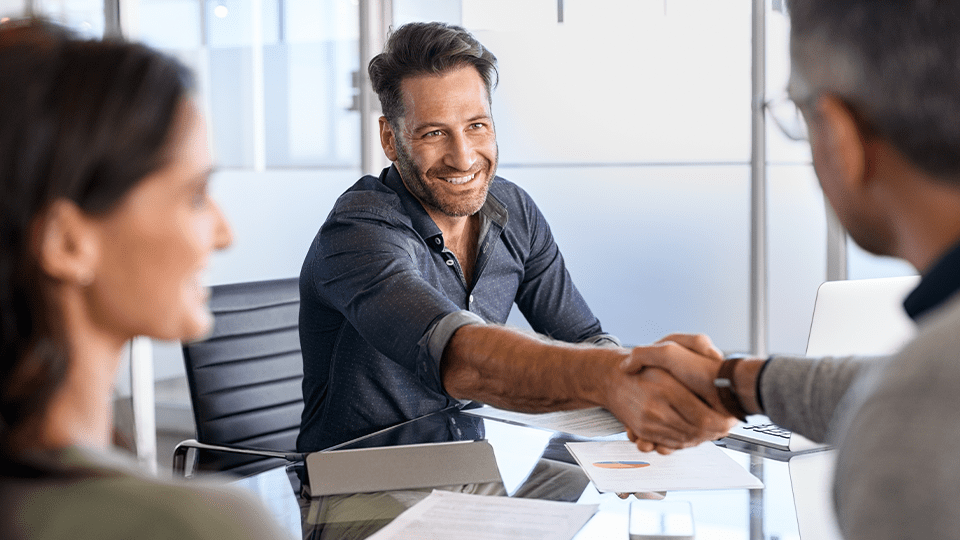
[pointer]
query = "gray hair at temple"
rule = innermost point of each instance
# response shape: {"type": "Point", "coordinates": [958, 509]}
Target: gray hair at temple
{"type": "Point", "coordinates": [895, 63]}
{"type": "Point", "coordinates": [426, 49]}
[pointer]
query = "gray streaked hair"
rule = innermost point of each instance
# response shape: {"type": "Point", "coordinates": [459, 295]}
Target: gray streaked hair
{"type": "Point", "coordinates": [896, 63]}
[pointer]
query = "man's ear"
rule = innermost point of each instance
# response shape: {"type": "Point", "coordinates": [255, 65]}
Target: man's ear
{"type": "Point", "coordinates": [843, 143]}
{"type": "Point", "coordinates": [68, 244]}
{"type": "Point", "coordinates": [388, 139]}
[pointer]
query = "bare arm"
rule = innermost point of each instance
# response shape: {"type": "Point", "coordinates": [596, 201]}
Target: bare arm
{"type": "Point", "coordinates": [512, 370]}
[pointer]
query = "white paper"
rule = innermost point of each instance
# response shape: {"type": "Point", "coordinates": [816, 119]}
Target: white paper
{"type": "Point", "coordinates": [701, 467]}
{"type": "Point", "coordinates": [446, 514]}
{"type": "Point", "coordinates": [594, 422]}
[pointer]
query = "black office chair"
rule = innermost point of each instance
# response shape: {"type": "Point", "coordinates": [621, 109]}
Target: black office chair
{"type": "Point", "coordinates": [245, 381]}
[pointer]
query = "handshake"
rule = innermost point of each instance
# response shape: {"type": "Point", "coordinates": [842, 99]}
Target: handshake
{"type": "Point", "coordinates": [669, 394]}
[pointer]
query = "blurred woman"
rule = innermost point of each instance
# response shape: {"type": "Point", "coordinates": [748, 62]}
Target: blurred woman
{"type": "Point", "coordinates": [105, 227]}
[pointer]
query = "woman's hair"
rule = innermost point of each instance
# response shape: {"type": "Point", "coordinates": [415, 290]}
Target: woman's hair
{"type": "Point", "coordinates": [83, 121]}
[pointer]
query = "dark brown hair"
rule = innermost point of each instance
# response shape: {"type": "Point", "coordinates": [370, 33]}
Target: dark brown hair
{"type": "Point", "coordinates": [80, 120]}
{"type": "Point", "coordinates": [426, 49]}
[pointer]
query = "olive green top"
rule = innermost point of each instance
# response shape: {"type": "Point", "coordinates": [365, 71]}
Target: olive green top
{"type": "Point", "coordinates": [87, 495]}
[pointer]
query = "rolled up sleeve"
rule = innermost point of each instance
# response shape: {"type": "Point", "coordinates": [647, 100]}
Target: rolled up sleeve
{"type": "Point", "coordinates": [439, 336]}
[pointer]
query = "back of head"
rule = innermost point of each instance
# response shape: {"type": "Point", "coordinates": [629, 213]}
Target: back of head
{"type": "Point", "coordinates": [896, 63]}
{"type": "Point", "coordinates": [82, 121]}
{"type": "Point", "coordinates": [432, 48]}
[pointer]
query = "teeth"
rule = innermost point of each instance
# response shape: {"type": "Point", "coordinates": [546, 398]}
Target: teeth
{"type": "Point", "coordinates": [460, 180]}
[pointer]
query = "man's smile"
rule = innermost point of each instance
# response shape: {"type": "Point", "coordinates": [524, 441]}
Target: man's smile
{"type": "Point", "coordinates": [458, 179]}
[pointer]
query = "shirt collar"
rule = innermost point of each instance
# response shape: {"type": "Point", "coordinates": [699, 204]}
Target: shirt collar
{"type": "Point", "coordinates": [939, 283]}
{"type": "Point", "coordinates": [422, 222]}
{"type": "Point", "coordinates": [492, 211]}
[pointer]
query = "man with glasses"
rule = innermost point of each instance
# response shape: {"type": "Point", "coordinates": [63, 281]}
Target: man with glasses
{"type": "Point", "coordinates": [406, 286]}
{"type": "Point", "coordinates": [878, 83]}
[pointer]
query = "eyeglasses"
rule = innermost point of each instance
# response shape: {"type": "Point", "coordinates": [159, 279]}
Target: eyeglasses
{"type": "Point", "coordinates": [787, 116]}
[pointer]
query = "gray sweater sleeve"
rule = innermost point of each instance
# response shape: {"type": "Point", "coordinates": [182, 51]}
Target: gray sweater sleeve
{"type": "Point", "coordinates": [897, 428]}
{"type": "Point", "coordinates": [803, 394]}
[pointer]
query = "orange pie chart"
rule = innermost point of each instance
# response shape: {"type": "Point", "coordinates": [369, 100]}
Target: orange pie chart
{"type": "Point", "coordinates": [621, 464]}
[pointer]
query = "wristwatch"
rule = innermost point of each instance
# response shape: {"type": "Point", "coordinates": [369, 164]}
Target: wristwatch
{"type": "Point", "coordinates": [726, 390]}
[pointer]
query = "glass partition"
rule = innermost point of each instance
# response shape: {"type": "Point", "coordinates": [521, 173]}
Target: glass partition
{"type": "Point", "coordinates": [85, 17]}
{"type": "Point", "coordinates": [277, 77]}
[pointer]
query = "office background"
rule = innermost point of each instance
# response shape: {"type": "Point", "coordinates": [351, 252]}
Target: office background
{"type": "Point", "coordinates": [627, 120]}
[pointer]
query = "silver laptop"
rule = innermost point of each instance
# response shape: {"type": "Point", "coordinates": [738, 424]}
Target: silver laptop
{"type": "Point", "coordinates": [862, 317]}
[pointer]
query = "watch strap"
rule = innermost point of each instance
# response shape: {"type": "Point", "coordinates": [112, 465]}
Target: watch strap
{"type": "Point", "coordinates": [725, 388]}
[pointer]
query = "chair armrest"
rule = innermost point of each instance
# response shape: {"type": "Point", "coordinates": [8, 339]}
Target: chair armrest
{"type": "Point", "coordinates": [180, 453]}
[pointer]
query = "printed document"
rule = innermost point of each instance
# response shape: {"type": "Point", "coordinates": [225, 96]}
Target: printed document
{"type": "Point", "coordinates": [594, 422]}
{"type": "Point", "coordinates": [446, 514]}
{"type": "Point", "coordinates": [617, 466]}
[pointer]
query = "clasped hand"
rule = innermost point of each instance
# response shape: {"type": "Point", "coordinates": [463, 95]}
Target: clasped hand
{"type": "Point", "coordinates": [668, 394]}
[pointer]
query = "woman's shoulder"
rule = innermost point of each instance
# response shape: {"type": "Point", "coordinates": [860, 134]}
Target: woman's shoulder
{"type": "Point", "coordinates": [109, 500]}
{"type": "Point", "coordinates": [188, 510]}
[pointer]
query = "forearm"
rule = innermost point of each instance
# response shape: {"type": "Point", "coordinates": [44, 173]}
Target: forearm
{"type": "Point", "coordinates": [509, 369]}
{"type": "Point", "coordinates": [802, 394]}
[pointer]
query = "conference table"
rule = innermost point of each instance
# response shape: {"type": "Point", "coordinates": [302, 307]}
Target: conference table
{"type": "Point", "coordinates": [532, 462]}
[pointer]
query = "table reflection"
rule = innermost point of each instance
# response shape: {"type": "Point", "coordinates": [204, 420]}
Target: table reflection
{"type": "Point", "coordinates": [534, 463]}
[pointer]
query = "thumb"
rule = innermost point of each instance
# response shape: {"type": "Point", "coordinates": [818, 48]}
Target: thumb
{"type": "Point", "coordinates": [698, 343]}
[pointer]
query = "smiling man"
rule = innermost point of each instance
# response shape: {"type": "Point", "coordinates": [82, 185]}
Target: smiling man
{"type": "Point", "coordinates": [406, 287]}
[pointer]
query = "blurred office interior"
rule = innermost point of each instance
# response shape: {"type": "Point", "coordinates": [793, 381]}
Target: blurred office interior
{"type": "Point", "coordinates": [629, 121]}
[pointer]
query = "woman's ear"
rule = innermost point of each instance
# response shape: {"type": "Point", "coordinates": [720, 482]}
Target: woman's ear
{"type": "Point", "coordinates": [68, 244]}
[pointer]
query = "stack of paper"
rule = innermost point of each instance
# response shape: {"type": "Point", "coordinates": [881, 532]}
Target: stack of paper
{"type": "Point", "coordinates": [617, 466]}
{"type": "Point", "coordinates": [594, 422]}
{"type": "Point", "coordinates": [446, 514]}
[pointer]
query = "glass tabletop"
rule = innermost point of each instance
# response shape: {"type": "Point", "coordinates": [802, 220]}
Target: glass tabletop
{"type": "Point", "coordinates": [532, 463]}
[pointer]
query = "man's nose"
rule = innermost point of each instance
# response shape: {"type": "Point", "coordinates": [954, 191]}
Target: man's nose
{"type": "Point", "coordinates": [460, 153]}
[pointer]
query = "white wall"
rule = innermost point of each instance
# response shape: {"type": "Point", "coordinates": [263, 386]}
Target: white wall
{"type": "Point", "coordinates": [10, 8]}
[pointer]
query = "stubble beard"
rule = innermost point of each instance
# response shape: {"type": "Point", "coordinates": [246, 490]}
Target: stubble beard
{"type": "Point", "coordinates": [416, 181]}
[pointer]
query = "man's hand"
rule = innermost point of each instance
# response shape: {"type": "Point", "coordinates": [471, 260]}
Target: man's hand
{"type": "Point", "coordinates": [519, 372]}
{"type": "Point", "coordinates": [691, 359]}
{"type": "Point", "coordinates": [661, 413]}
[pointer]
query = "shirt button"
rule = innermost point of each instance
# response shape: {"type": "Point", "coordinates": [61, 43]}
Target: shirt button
{"type": "Point", "coordinates": [471, 298]}
{"type": "Point", "coordinates": [437, 240]}
{"type": "Point", "coordinates": [449, 262]}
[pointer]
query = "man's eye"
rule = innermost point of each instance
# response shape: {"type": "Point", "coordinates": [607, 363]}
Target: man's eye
{"type": "Point", "coordinates": [433, 133]}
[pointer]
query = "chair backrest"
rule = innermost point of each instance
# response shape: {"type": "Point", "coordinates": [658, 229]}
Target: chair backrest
{"type": "Point", "coordinates": [245, 378]}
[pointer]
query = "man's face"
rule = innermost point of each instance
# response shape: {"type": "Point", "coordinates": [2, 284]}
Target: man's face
{"type": "Point", "coordinates": [837, 151]}
{"type": "Point", "coordinates": [446, 148]}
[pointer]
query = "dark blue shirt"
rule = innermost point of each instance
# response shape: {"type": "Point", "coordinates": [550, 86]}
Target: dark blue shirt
{"type": "Point", "coordinates": [380, 297]}
{"type": "Point", "coordinates": [938, 283]}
